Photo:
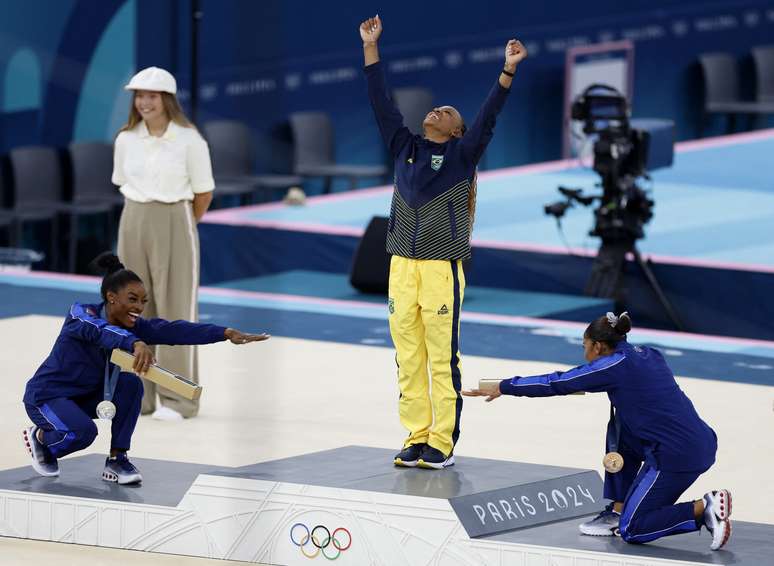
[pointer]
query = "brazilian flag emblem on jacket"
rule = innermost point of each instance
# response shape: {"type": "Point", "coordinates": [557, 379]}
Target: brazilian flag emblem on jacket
{"type": "Point", "coordinates": [436, 161]}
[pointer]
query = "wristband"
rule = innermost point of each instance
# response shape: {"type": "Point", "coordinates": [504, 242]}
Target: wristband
{"type": "Point", "coordinates": [508, 73]}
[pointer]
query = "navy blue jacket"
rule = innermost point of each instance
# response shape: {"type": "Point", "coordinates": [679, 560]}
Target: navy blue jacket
{"type": "Point", "coordinates": [76, 364]}
{"type": "Point", "coordinates": [657, 419]}
{"type": "Point", "coordinates": [429, 214]}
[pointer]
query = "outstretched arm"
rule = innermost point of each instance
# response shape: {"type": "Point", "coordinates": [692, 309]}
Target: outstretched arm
{"type": "Point", "coordinates": [600, 375]}
{"type": "Point", "coordinates": [182, 332]}
{"type": "Point", "coordinates": [478, 136]}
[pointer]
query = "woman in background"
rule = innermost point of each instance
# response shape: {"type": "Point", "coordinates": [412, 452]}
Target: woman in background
{"type": "Point", "coordinates": [162, 166]}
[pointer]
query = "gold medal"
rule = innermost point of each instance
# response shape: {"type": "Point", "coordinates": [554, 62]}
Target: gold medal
{"type": "Point", "coordinates": [613, 462]}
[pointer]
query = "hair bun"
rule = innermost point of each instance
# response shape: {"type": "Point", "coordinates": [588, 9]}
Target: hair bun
{"type": "Point", "coordinates": [621, 323]}
{"type": "Point", "coordinates": [107, 263]}
{"type": "Point", "coordinates": [624, 323]}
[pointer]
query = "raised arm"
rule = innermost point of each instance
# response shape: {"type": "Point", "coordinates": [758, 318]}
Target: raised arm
{"type": "Point", "coordinates": [480, 132]}
{"type": "Point", "coordinates": [388, 117]}
{"type": "Point", "coordinates": [370, 31]}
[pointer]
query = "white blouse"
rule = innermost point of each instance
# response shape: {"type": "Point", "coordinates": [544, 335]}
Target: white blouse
{"type": "Point", "coordinates": [167, 169]}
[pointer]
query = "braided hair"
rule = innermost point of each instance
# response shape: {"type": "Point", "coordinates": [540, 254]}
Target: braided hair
{"type": "Point", "coordinates": [116, 276]}
{"type": "Point", "coordinates": [609, 329]}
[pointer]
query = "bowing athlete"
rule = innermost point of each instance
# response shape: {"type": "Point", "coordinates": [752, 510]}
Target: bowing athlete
{"type": "Point", "coordinates": [77, 383]}
{"type": "Point", "coordinates": [657, 443]}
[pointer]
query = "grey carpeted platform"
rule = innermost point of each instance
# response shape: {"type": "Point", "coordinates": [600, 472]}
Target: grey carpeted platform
{"type": "Point", "coordinates": [164, 483]}
{"type": "Point", "coordinates": [751, 544]}
{"type": "Point", "coordinates": [371, 469]}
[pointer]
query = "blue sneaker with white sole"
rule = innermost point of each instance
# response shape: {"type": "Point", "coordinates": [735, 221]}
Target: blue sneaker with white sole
{"type": "Point", "coordinates": [43, 461]}
{"type": "Point", "coordinates": [409, 456]}
{"type": "Point", "coordinates": [120, 470]}
{"type": "Point", "coordinates": [603, 525]}
{"type": "Point", "coordinates": [433, 459]}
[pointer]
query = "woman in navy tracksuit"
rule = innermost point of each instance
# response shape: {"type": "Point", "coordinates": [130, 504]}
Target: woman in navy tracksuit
{"type": "Point", "coordinates": [664, 443]}
{"type": "Point", "coordinates": [62, 396]}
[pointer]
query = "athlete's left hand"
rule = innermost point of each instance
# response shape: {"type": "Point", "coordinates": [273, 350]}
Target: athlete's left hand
{"type": "Point", "coordinates": [491, 392]}
{"type": "Point", "coordinates": [515, 53]}
{"type": "Point", "coordinates": [237, 337]}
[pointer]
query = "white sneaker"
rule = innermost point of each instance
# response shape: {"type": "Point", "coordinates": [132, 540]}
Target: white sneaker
{"type": "Point", "coordinates": [43, 461]}
{"type": "Point", "coordinates": [166, 414]}
{"type": "Point", "coordinates": [603, 525]}
{"type": "Point", "coordinates": [717, 510]}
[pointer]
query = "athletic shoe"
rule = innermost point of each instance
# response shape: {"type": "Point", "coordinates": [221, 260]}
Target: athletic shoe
{"type": "Point", "coordinates": [43, 461]}
{"type": "Point", "coordinates": [433, 459]}
{"type": "Point", "coordinates": [409, 456]}
{"type": "Point", "coordinates": [717, 510]}
{"type": "Point", "coordinates": [120, 470]}
{"type": "Point", "coordinates": [166, 414]}
{"type": "Point", "coordinates": [603, 525]}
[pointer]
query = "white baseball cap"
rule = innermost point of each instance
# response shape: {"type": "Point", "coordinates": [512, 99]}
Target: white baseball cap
{"type": "Point", "coordinates": [153, 78]}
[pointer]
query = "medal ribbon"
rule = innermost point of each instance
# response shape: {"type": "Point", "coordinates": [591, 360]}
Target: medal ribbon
{"type": "Point", "coordinates": [613, 431]}
{"type": "Point", "coordinates": [111, 379]}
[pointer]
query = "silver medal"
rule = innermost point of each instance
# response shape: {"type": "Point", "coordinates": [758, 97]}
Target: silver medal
{"type": "Point", "coordinates": [106, 410]}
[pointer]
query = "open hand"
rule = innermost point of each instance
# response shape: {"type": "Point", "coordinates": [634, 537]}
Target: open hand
{"type": "Point", "coordinates": [371, 29]}
{"type": "Point", "coordinates": [237, 337]}
{"type": "Point", "coordinates": [491, 392]}
{"type": "Point", "coordinates": [143, 358]}
{"type": "Point", "coordinates": [515, 52]}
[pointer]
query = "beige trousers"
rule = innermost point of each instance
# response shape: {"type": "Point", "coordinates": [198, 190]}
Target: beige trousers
{"type": "Point", "coordinates": [160, 243]}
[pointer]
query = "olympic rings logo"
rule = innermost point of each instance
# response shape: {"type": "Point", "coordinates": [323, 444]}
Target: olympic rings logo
{"type": "Point", "coordinates": [301, 536]}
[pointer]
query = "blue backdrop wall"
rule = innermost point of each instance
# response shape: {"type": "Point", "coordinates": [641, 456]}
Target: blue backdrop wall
{"type": "Point", "coordinates": [62, 64]}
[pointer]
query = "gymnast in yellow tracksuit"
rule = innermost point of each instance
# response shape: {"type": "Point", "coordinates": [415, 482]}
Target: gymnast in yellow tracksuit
{"type": "Point", "coordinates": [431, 219]}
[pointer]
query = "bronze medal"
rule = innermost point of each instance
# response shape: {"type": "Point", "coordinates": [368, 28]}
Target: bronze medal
{"type": "Point", "coordinates": [613, 462]}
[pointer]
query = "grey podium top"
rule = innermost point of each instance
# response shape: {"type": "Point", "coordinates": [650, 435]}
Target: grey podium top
{"type": "Point", "coordinates": [371, 469]}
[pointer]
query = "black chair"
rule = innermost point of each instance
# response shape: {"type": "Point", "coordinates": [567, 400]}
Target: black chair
{"type": "Point", "coordinates": [37, 191]}
{"type": "Point", "coordinates": [313, 152]}
{"type": "Point", "coordinates": [93, 193]}
{"type": "Point", "coordinates": [763, 57]}
{"type": "Point", "coordinates": [413, 103]}
{"type": "Point", "coordinates": [233, 150]}
{"type": "Point", "coordinates": [7, 218]}
{"type": "Point", "coordinates": [721, 83]}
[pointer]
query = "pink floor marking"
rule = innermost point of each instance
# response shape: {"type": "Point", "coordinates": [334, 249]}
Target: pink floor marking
{"type": "Point", "coordinates": [470, 316]}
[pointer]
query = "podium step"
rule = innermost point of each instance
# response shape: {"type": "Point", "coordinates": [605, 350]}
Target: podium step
{"type": "Point", "coordinates": [349, 504]}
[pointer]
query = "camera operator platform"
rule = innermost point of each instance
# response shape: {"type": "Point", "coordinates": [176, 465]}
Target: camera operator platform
{"type": "Point", "coordinates": [622, 154]}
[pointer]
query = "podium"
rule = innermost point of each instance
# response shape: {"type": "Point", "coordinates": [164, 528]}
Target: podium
{"type": "Point", "coordinates": [348, 504]}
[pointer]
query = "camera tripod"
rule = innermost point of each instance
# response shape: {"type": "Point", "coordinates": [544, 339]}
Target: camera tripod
{"type": "Point", "coordinates": [607, 275]}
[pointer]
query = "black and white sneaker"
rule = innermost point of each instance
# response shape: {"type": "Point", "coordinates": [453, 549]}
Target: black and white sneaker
{"type": "Point", "coordinates": [603, 525]}
{"type": "Point", "coordinates": [409, 456]}
{"type": "Point", "coordinates": [717, 510]}
{"type": "Point", "coordinates": [121, 470]}
{"type": "Point", "coordinates": [43, 461]}
{"type": "Point", "coordinates": [433, 459]}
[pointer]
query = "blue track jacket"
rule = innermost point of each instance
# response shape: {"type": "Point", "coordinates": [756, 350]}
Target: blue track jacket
{"type": "Point", "coordinates": [658, 421]}
{"type": "Point", "coordinates": [76, 364]}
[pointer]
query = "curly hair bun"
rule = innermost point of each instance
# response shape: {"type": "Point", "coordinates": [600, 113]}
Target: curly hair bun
{"type": "Point", "coordinates": [106, 263]}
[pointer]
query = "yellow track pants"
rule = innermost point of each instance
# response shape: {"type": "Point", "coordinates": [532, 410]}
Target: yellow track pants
{"type": "Point", "coordinates": [425, 297]}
